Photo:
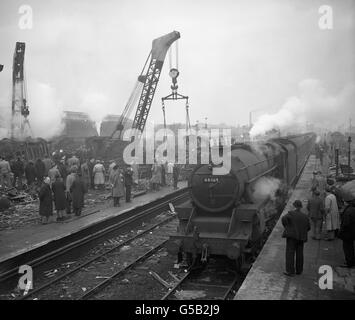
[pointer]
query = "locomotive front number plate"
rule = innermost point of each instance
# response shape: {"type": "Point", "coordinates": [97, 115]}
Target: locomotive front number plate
{"type": "Point", "coordinates": [210, 180]}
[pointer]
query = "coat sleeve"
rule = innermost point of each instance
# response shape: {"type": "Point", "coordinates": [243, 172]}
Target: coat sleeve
{"type": "Point", "coordinates": [284, 220]}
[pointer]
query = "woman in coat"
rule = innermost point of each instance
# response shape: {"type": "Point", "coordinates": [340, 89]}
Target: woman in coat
{"type": "Point", "coordinates": [45, 201]}
{"type": "Point", "coordinates": [60, 200]}
{"type": "Point", "coordinates": [99, 175]}
{"type": "Point", "coordinates": [30, 173]}
{"type": "Point", "coordinates": [117, 184]}
{"type": "Point", "coordinates": [78, 190]}
{"type": "Point", "coordinates": [85, 172]}
{"type": "Point", "coordinates": [332, 220]}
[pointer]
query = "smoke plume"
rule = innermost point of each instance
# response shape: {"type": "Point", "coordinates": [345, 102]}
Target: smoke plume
{"type": "Point", "coordinates": [265, 187]}
{"type": "Point", "coordinates": [314, 105]}
{"type": "Point", "coordinates": [45, 110]}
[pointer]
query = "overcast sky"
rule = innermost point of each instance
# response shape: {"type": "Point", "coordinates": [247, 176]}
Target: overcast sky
{"type": "Point", "coordinates": [234, 56]}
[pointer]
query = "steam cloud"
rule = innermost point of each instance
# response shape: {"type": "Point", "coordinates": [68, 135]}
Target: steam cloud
{"type": "Point", "coordinates": [313, 104]}
{"type": "Point", "coordinates": [45, 111]}
{"type": "Point", "coordinates": [266, 187]}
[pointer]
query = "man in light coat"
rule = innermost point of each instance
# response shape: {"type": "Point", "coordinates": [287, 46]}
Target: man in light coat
{"type": "Point", "coordinates": [5, 171]}
{"type": "Point", "coordinates": [332, 220]}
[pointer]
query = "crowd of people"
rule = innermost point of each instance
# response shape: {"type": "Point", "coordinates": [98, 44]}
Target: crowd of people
{"type": "Point", "coordinates": [61, 183]}
{"type": "Point", "coordinates": [327, 216]}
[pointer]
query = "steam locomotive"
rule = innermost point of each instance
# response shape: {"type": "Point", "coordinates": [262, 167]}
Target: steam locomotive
{"type": "Point", "coordinates": [223, 215]}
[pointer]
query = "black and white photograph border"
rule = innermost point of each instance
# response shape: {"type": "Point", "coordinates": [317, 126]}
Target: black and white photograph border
{"type": "Point", "coordinates": [187, 151]}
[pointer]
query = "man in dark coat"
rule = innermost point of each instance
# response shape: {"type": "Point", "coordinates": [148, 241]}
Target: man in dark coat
{"type": "Point", "coordinates": [77, 190]}
{"type": "Point", "coordinates": [18, 170]}
{"type": "Point", "coordinates": [316, 212]}
{"type": "Point", "coordinates": [30, 173]}
{"type": "Point", "coordinates": [45, 201]}
{"type": "Point", "coordinates": [128, 181]}
{"type": "Point", "coordinates": [62, 170]}
{"type": "Point", "coordinates": [40, 171]}
{"type": "Point", "coordinates": [60, 200]}
{"type": "Point", "coordinates": [347, 234]}
{"type": "Point", "coordinates": [296, 225]}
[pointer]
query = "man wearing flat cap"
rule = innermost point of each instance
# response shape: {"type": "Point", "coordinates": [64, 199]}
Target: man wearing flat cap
{"type": "Point", "coordinates": [296, 225]}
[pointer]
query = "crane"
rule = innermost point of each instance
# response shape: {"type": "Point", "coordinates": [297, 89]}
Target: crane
{"type": "Point", "coordinates": [146, 84]}
{"type": "Point", "coordinates": [20, 126]}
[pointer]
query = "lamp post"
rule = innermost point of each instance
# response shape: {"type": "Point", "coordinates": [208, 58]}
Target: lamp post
{"type": "Point", "coordinates": [349, 156]}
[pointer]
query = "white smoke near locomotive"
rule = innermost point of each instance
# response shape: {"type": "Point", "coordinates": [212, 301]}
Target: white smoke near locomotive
{"type": "Point", "coordinates": [227, 214]}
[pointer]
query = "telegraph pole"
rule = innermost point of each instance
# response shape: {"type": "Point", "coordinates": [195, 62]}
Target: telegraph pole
{"type": "Point", "coordinates": [349, 150]}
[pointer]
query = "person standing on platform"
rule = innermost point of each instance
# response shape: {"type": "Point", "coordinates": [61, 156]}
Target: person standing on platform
{"type": "Point", "coordinates": [58, 188]}
{"type": "Point", "coordinates": [62, 170]}
{"type": "Point", "coordinates": [85, 173]}
{"type": "Point", "coordinates": [40, 171]}
{"type": "Point", "coordinates": [296, 225]}
{"type": "Point", "coordinates": [347, 234]}
{"type": "Point", "coordinates": [30, 173]}
{"type": "Point", "coordinates": [5, 172]}
{"type": "Point", "coordinates": [99, 175]}
{"type": "Point", "coordinates": [117, 185]}
{"type": "Point", "coordinates": [315, 209]}
{"type": "Point", "coordinates": [78, 190]}
{"type": "Point", "coordinates": [68, 184]}
{"type": "Point", "coordinates": [45, 201]}
{"type": "Point", "coordinates": [321, 184]}
{"type": "Point", "coordinates": [128, 181]}
{"type": "Point", "coordinates": [332, 220]}
{"type": "Point", "coordinates": [47, 164]}
{"type": "Point", "coordinates": [91, 166]}
{"type": "Point", "coordinates": [18, 170]}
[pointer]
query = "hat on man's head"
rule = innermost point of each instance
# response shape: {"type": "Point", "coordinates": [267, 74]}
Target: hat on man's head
{"type": "Point", "coordinates": [297, 204]}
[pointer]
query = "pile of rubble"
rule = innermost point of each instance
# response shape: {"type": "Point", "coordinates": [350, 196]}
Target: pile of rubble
{"type": "Point", "coordinates": [17, 208]}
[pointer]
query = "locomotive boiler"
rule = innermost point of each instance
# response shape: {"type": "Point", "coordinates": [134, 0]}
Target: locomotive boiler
{"type": "Point", "coordinates": [223, 215]}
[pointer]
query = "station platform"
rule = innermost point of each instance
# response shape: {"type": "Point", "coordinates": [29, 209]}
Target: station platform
{"type": "Point", "coordinates": [17, 241]}
{"type": "Point", "coordinates": [266, 281]}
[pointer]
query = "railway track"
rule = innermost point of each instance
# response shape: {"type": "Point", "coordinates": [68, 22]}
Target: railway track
{"type": "Point", "coordinates": [208, 284]}
{"type": "Point", "coordinates": [55, 249]}
{"type": "Point", "coordinates": [108, 258]}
